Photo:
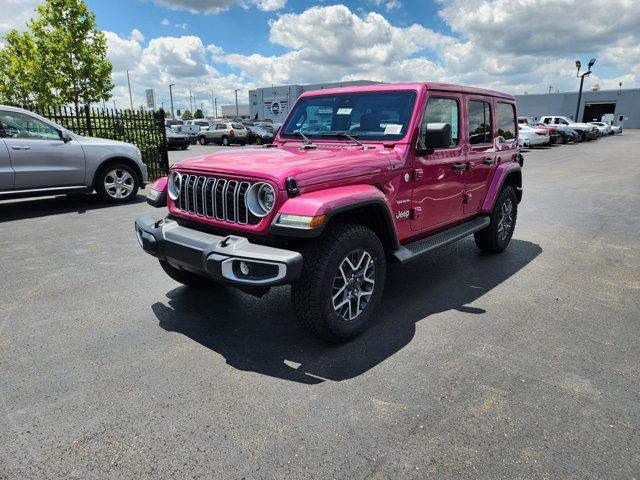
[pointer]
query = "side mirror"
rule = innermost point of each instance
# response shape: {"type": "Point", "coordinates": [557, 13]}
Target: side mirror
{"type": "Point", "coordinates": [64, 136]}
{"type": "Point", "coordinates": [436, 135]}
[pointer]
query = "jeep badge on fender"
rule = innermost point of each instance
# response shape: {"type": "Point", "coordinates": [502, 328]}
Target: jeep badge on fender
{"type": "Point", "coordinates": [316, 209]}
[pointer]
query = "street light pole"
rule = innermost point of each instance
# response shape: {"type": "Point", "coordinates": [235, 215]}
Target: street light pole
{"type": "Point", "coordinates": [130, 97]}
{"type": "Point", "coordinates": [215, 106]}
{"type": "Point", "coordinates": [171, 97]}
{"type": "Point", "coordinates": [237, 111]}
{"type": "Point", "coordinates": [581, 77]}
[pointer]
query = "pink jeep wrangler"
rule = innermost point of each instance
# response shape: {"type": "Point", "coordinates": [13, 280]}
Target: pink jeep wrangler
{"type": "Point", "coordinates": [356, 177]}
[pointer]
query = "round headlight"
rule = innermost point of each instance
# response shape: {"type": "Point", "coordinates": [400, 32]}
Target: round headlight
{"type": "Point", "coordinates": [174, 186]}
{"type": "Point", "coordinates": [260, 199]}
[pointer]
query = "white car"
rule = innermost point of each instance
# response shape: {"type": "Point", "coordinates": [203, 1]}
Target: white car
{"type": "Point", "coordinates": [603, 128]}
{"type": "Point", "coordinates": [586, 131]}
{"type": "Point", "coordinates": [529, 136]}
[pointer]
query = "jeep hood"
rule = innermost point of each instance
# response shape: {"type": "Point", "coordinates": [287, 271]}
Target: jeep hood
{"type": "Point", "coordinates": [309, 167]}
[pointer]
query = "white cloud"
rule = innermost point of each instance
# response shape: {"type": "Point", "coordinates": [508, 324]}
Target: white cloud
{"type": "Point", "coordinates": [165, 22]}
{"type": "Point", "coordinates": [216, 6]}
{"type": "Point", "coordinates": [16, 14]}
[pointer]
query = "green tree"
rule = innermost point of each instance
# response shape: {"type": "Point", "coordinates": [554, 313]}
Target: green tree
{"type": "Point", "coordinates": [198, 114]}
{"type": "Point", "coordinates": [73, 67]}
{"type": "Point", "coordinates": [187, 115]}
{"type": "Point", "coordinates": [18, 84]}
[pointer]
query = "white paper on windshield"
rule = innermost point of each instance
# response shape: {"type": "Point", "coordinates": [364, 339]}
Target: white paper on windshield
{"type": "Point", "coordinates": [344, 111]}
{"type": "Point", "coordinates": [392, 129]}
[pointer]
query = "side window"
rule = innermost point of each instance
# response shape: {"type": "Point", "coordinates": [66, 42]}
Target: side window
{"type": "Point", "coordinates": [547, 120]}
{"type": "Point", "coordinates": [506, 114]}
{"type": "Point", "coordinates": [480, 127]}
{"type": "Point", "coordinates": [21, 125]}
{"type": "Point", "coordinates": [442, 110]}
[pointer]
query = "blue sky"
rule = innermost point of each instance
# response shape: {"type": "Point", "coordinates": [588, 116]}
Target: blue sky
{"type": "Point", "coordinates": [212, 47]}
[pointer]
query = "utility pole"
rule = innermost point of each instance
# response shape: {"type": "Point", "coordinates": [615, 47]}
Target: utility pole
{"type": "Point", "coordinates": [190, 101]}
{"type": "Point", "coordinates": [237, 111]}
{"type": "Point", "coordinates": [114, 105]}
{"type": "Point", "coordinates": [581, 77]}
{"type": "Point", "coordinates": [550, 88]}
{"type": "Point", "coordinates": [215, 106]}
{"type": "Point", "coordinates": [171, 97]}
{"type": "Point", "coordinates": [130, 97]}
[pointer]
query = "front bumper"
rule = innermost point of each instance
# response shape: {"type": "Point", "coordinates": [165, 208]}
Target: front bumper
{"type": "Point", "coordinates": [229, 259]}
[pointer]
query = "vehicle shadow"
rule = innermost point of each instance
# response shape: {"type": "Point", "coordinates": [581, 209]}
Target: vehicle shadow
{"type": "Point", "coordinates": [23, 208]}
{"type": "Point", "coordinates": [262, 335]}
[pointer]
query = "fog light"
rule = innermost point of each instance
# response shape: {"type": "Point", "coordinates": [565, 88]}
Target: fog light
{"type": "Point", "coordinates": [244, 268]}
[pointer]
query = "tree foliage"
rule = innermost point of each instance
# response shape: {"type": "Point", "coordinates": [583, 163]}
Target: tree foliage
{"type": "Point", "coordinates": [187, 115]}
{"type": "Point", "coordinates": [198, 114]}
{"type": "Point", "coordinates": [66, 57]}
{"type": "Point", "coordinates": [17, 62]}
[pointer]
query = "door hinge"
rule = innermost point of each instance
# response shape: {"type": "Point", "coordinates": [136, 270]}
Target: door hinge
{"type": "Point", "coordinates": [467, 198]}
{"type": "Point", "coordinates": [417, 174]}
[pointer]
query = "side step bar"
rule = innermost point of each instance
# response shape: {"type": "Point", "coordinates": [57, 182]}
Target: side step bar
{"type": "Point", "coordinates": [413, 250]}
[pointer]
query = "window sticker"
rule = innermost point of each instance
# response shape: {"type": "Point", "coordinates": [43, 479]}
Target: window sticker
{"type": "Point", "coordinates": [344, 111]}
{"type": "Point", "coordinates": [392, 129]}
{"type": "Point", "coordinates": [454, 122]}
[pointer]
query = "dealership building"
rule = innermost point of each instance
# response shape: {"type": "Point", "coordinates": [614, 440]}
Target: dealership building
{"type": "Point", "coordinates": [593, 104]}
{"type": "Point", "coordinates": [274, 102]}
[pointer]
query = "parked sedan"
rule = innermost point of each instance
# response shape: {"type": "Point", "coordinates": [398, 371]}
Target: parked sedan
{"type": "Point", "coordinates": [176, 140]}
{"type": "Point", "coordinates": [529, 136]}
{"type": "Point", "coordinates": [39, 157]}
{"type": "Point", "coordinates": [258, 135]}
{"type": "Point", "coordinates": [603, 128]}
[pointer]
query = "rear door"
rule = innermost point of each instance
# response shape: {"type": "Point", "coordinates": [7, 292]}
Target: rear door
{"type": "Point", "coordinates": [39, 157]}
{"type": "Point", "coordinates": [6, 172]}
{"type": "Point", "coordinates": [481, 156]}
{"type": "Point", "coordinates": [438, 178]}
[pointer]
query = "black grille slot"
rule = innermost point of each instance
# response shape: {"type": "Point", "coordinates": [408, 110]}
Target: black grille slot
{"type": "Point", "coordinates": [183, 193]}
{"type": "Point", "coordinates": [200, 195]}
{"type": "Point", "coordinates": [232, 186]}
{"type": "Point", "coordinates": [191, 194]}
{"type": "Point", "coordinates": [243, 212]}
{"type": "Point", "coordinates": [208, 197]}
{"type": "Point", "coordinates": [220, 210]}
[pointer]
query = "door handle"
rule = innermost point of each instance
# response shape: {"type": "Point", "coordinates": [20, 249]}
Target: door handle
{"type": "Point", "coordinates": [459, 167]}
{"type": "Point", "coordinates": [489, 161]}
{"type": "Point", "coordinates": [20, 147]}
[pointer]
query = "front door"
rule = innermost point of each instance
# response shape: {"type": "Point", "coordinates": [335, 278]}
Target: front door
{"type": "Point", "coordinates": [481, 156]}
{"type": "Point", "coordinates": [39, 157]}
{"type": "Point", "coordinates": [439, 177]}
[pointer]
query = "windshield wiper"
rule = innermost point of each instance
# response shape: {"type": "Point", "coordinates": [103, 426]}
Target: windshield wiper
{"type": "Point", "coordinates": [307, 142]}
{"type": "Point", "coordinates": [344, 135]}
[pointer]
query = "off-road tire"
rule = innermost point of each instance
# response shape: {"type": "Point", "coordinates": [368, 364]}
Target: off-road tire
{"type": "Point", "coordinates": [488, 239]}
{"type": "Point", "coordinates": [312, 294]}
{"type": "Point", "coordinates": [100, 183]}
{"type": "Point", "coordinates": [186, 278]}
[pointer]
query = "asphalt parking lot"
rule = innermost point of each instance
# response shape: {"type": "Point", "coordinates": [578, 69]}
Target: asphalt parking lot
{"type": "Point", "coordinates": [517, 366]}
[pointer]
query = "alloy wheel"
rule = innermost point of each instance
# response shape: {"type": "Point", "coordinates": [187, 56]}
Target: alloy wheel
{"type": "Point", "coordinates": [353, 284]}
{"type": "Point", "coordinates": [505, 219]}
{"type": "Point", "coordinates": [119, 183]}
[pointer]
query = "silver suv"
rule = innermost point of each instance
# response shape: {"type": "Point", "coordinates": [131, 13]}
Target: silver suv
{"type": "Point", "coordinates": [39, 157]}
{"type": "Point", "coordinates": [224, 133]}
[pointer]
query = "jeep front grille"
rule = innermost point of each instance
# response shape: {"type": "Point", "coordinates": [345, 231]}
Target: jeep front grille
{"type": "Point", "coordinates": [217, 198]}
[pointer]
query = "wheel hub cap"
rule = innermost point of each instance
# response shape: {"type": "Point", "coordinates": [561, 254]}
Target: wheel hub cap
{"type": "Point", "coordinates": [353, 284]}
{"type": "Point", "coordinates": [118, 183]}
{"type": "Point", "coordinates": [505, 219]}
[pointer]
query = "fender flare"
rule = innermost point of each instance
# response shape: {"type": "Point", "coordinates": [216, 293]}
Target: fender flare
{"type": "Point", "coordinates": [117, 158]}
{"type": "Point", "coordinates": [509, 171]}
{"type": "Point", "coordinates": [332, 202]}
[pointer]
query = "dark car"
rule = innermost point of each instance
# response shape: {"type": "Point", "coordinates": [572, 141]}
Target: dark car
{"type": "Point", "coordinates": [176, 140]}
{"type": "Point", "coordinates": [258, 135]}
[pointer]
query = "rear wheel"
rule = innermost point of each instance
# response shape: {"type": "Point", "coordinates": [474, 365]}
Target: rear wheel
{"type": "Point", "coordinates": [202, 140]}
{"type": "Point", "coordinates": [184, 277]}
{"type": "Point", "coordinates": [496, 237]}
{"type": "Point", "coordinates": [342, 282]}
{"type": "Point", "coordinates": [117, 183]}
{"type": "Point", "coordinates": [582, 136]}
{"type": "Point", "coordinates": [225, 141]}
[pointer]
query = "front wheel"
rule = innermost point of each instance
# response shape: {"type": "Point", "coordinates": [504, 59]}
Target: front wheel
{"type": "Point", "coordinates": [225, 141]}
{"type": "Point", "coordinates": [342, 282]}
{"type": "Point", "coordinates": [496, 237]}
{"type": "Point", "coordinates": [117, 183]}
{"type": "Point", "coordinates": [202, 140]}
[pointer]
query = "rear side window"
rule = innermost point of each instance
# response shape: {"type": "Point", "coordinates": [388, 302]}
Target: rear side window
{"type": "Point", "coordinates": [506, 120]}
{"type": "Point", "coordinates": [443, 110]}
{"type": "Point", "coordinates": [480, 127]}
{"type": "Point", "coordinates": [238, 126]}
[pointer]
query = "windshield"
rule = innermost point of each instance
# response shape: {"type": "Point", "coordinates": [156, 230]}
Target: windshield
{"type": "Point", "coordinates": [367, 116]}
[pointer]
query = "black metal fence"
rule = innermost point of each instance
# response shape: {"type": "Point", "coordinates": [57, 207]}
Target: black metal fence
{"type": "Point", "coordinates": [144, 129]}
